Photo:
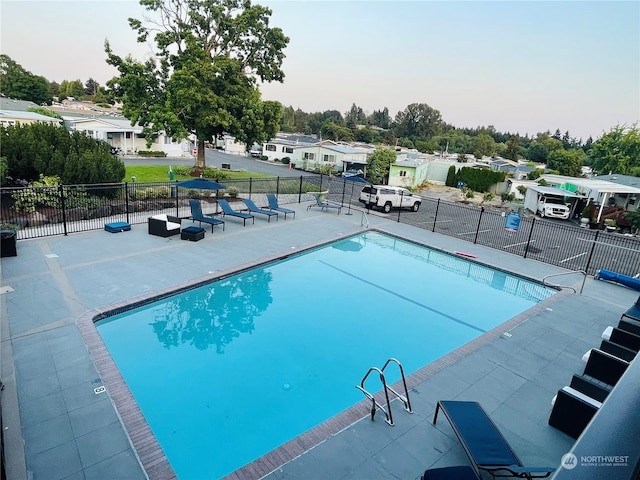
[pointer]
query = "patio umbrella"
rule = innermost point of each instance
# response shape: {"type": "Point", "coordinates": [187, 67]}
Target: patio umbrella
{"type": "Point", "coordinates": [353, 179]}
{"type": "Point", "coordinates": [201, 184]}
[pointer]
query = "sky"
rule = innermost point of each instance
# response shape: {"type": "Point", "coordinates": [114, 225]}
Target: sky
{"type": "Point", "coordinates": [523, 67]}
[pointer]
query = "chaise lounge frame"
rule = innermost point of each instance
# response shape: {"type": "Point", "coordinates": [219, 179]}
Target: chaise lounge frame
{"type": "Point", "coordinates": [483, 443]}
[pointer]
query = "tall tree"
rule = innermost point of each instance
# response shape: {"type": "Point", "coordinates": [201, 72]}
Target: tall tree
{"type": "Point", "coordinates": [566, 162]}
{"type": "Point", "coordinates": [483, 145]}
{"type": "Point", "coordinates": [418, 120]}
{"type": "Point", "coordinates": [203, 78]}
{"type": "Point", "coordinates": [617, 151]}
{"type": "Point", "coordinates": [91, 87]}
{"type": "Point", "coordinates": [513, 148]}
{"type": "Point", "coordinates": [18, 83]}
{"type": "Point", "coordinates": [378, 164]}
{"type": "Point", "coordinates": [381, 118]}
{"type": "Point", "coordinates": [71, 88]}
{"type": "Point", "coordinates": [354, 116]}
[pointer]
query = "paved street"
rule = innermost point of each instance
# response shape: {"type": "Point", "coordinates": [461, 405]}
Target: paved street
{"type": "Point", "coordinates": [215, 158]}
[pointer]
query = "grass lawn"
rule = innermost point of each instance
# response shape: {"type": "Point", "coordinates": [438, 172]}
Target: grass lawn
{"type": "Point", "coordinates": [160, 173]}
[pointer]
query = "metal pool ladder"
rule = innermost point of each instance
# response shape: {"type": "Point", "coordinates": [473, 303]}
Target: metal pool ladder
{"type": "Point", "coordinates": [375, 406]}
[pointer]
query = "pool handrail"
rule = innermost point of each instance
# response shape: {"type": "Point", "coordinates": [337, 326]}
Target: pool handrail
{"type": "Point", "coordinates": [375, 406]}
{"type": "Point", "coordinates": [584, 279]}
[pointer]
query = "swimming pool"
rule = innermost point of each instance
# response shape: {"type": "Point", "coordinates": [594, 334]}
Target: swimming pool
{"type": "Point", "coordinates": [226, 372]}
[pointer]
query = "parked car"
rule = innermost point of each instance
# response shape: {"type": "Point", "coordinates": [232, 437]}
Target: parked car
{"type": "Point", "coordinates": [387, 197]}
{"type": "Point", "coordinates": [352, 173]}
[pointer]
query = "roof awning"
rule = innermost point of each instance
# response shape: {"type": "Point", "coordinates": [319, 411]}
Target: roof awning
{"type": "Point", "coordinates": [555, 191]}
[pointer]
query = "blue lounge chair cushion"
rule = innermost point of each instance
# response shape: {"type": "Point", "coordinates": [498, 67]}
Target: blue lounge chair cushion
{"type": "Point", "coordinates": [485, 443]}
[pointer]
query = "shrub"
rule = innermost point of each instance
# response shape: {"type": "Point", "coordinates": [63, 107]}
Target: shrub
{"type": "Point", "coordinates": [634, 220]}
{"type": "Point", "coordinates": [286, 160]}
{"type": "Point", "coordinates": [73, 157]}
{"type": "Point", "coordinates": [488, 196]}
{"type": "Point", "coordinates": [214, 173]}
{"type": "Point", "coordinates": [468, 192]}
{"type": "Point", "coordinates": [4, 168]}
{"type": "Point", "coordinates": [43, 192]}
{"type": "Point", "coordinates": [451, 177]}
{"type": "Point", "coordinates": [479, 180]}
{"type": "Point", "coordinates": [507, 197]}
{"type": "Point", "coordinates": [233, 191]}
{"type": "Point", "coordinates": [264, 158]}
{"type": "Point", "coordinates": [152, 153]}
{"type": "Point", "coordinates": [181, 170]}
{"type": "Point", "coordinates": [149, 193]}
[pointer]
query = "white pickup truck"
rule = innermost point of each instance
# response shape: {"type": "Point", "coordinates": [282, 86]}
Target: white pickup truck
{"type": "Point", "coordinates": [386, 197]}
{"type": "Point", "coordinates": [553, 207]}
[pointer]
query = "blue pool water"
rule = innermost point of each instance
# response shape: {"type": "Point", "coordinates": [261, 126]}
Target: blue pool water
{"type": "Point", "coordinates": [227, 372]}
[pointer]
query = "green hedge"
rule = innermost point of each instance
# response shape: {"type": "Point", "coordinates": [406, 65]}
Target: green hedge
{"type": "Point", "coordinates": [479, 180]}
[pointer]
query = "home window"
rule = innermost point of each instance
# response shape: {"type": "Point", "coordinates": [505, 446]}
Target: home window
{"type": "Point", "coordinates": [270, 148]}
{"type": "Point", "coordinates": [328, 158]}
{"type": "Point", "coordinates": [127, 135]}
{"type": "Point", "coordinates": [402, 173]}
{"type": "Point", "coordinates": [287, 149]}
{"type": "Point", "coordinates": [309, 156]}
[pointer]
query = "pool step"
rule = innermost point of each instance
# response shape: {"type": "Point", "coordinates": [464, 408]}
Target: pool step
{"type": "Point", "coordinates": [375, 406]}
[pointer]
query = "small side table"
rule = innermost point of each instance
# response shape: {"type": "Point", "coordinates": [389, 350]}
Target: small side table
{"type": "Point", "coordinates": [192, 233]}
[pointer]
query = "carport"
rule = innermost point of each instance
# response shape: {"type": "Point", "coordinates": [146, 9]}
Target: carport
{"type": "Point", "coordinates": [601, 192]}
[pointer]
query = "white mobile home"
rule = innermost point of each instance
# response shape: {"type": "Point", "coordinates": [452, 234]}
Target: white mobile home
{"type": "Point", "coordinates": [327, 154]}
{"type": "Point", "coordinates": [119, 133]}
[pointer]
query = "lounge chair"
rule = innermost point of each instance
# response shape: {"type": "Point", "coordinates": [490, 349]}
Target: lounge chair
{"type": "Point", "coordinates": [484, 444]}
{"type": "Point", "coordinates": [629, 325]}
{"type": "Point", "coordinates": [604, 366]}
{"type": "Point", "coordinates": [253, 208]}
{"type": "Point", "coordinates": [622, 337]}
{"type": "Point", "coordinates": [198, 216]}
{"type": "Point", "coordinates": [273, 205]}
{"type": "Point", "coordinates": [634, 311]}
{"type": "Point", "coordinates": [572, 411]}
{"type": "Point", "coordinates": [617, 350]}
{"type": "Point", "coordinates": [227, 210]}
{"type": "Point", "coordinates": [590, 387]}
{"type": "Point", "coordinates": [323, 204]}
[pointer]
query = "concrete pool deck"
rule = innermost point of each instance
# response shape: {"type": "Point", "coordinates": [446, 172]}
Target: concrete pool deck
{"type": "Point", "coordinates": [70, 432]}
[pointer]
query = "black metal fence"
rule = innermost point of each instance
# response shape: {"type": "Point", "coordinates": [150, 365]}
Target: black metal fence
{"type": "Point", "coordinates": [64, 209]}
{"type": "Point", "coordinates": [558, 243]}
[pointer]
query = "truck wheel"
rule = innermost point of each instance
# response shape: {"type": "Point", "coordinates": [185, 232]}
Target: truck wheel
{"type": "Point", "coordinates": [415, 207]}
{"type": "Point", "coordinates": [387, 207]}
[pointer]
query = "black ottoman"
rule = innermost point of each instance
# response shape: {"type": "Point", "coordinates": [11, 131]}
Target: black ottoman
{"type": "Point", "coordinates": [192, 233]}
